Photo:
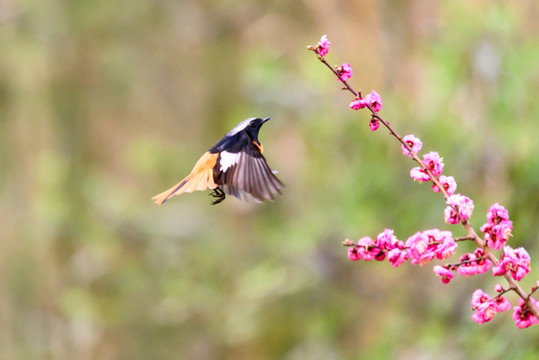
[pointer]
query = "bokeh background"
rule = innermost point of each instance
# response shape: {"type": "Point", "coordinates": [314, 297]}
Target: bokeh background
{"type": "Point", "coordinates": [106, 103]}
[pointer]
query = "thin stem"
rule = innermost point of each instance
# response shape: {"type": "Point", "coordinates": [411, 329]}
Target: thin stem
{"type": "Point", "coordinates": [505, 291]}
{"type": "Point", "coordinates": [346, 86]}
{"type": "Point", "coordinates": [464, 262]}
{"type": "Point", "coordinates": [464, 238]}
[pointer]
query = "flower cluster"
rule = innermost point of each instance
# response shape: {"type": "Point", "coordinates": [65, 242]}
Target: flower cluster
{"type": "Point", "coordinates": [473, 264]}
{"type": "Point", "coordinates": [523, 316]}
{"type": "Point", "coordinates": [432, 162]}
{"type": "Point", "coordinates": [385, 245]}
{"type": "Point", "coordinates": [514, 261]}
{"type": "Point", "coordinates": [428, 245]}
{"type": "Point", "coordinates": [497, 230]}
{"type": "Point", "coordinates": [460, 207]}
{"type": "Point", "coordinates": [374, 100]}
{"type": "Point", "coordinates": [420, 248]}
{"type": "Point", "coordinates": [486, 307]}
{"type": "Point", "coordinates": [469, 264]}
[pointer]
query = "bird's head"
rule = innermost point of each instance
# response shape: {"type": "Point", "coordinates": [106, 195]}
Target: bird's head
{"type": "Point", "coordinates": [251, 126]}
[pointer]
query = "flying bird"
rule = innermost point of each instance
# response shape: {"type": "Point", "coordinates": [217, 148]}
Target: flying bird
{"type": "Point", "coordinates": [234, 166]}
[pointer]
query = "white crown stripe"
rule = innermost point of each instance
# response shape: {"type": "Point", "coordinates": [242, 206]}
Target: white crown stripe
{"type": "Point", "coordinates": [242, 125]}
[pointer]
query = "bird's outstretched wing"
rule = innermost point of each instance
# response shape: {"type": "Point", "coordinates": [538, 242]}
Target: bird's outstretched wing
{"type": "Point", "coordinates": [200, 178]}
{"type": "Point", "coordinates": [247, 173]}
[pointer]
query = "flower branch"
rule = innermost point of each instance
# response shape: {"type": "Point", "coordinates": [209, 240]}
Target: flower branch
{"type": "Point", "coordinates": [424, 246]}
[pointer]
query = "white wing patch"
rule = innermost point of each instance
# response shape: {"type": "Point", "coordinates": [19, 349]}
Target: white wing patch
{"type": "Point", "coordinates": [228, 159]}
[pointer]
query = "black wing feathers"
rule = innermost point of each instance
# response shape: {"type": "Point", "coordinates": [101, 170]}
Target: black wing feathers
{"type": "Point", "coordinates": [254, 176]}
{"type": "Point", "coordinates": [249, 175]}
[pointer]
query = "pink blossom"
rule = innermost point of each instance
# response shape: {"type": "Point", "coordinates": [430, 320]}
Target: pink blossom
{"type": "Point", "coordinates": [445, 274]}
{"type": "Point", "coordinates": [397, 256]}
{"type": "Point", "coordinates": [448, 183]}
{"type": "Point", "coordinates": [358, 104]}
{"type": "Point", "coordinates": [503, 232]}
{"type": "Point", "coordinates": [486, 228]}
{"type": "Point", "coordinates": [497, 213]}
{"type": "Point", "coordinates": [414, 143]}
{"type": "Point", "coordinates": [498, 288]}
{"type": "Point", "coordinates": [484, 306]}
{"type": "Point", "coordinates": [434, 163]}
{"type": "Point", "coordinates": [424, 246]}
{"type": "Point", "coordinates": [523, 316]}
{"type": "Point", "coordinates": [473, 264]}
{"type": "Point", "coordinates": [380, 255]}
{"type": "Point", "coordinates": [482, 263]}
{"type": "Point", "coordinates": [419, 174]}
{"type": "Point", "coordinates": [485, 310]}
{"type": "Point", "coordinates": [441, 243]}
{"type": "Point", "coordinates": [463, 203]}
{"type": "Point", "coordinates": [367, 250]}
{"type": "Point", "coordinates": [498, 270]}
{"type": "Point", "coordinates": [374, 124]}
{"type": "Point", "coordinates": [451, 216]}
{"type": "Point", "coordinates": [479, 297]}
{"type": "Point", "coordinates": [497, 229]}
{"type": "Point", "coordinates": [466, 269]}
{"type": "Point", "coordinates": [387, 240]}
{"type": "Point", "coordinates": [418, 249]}
{"type": "Point", "coordinates": [501, 303]}
{"type": "Point", "coordinates": [365, 241]}
{"type": "Point", "coordinates": [323, 46]}
{"type": "Point", "coordinates": [497, 235]}
{"type": "Point", "coordinates": [485, 313]}
{"type": "Point", "coordinates": [352, 253]}
{"type": "Point", "coordinates": [503, 229]}
{"type": "Point", "coordinates": [446, 249]}
{"type": "Point", "coordinates": [345, 71]}
{"type": "Point", "coordinates": [514, 261]}
{"type": "Point", "coordinates": [374, 100]}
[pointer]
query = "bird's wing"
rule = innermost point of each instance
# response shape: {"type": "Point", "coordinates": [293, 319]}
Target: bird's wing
{"type": "Point", "coordinates": [200, 178]}
{"type": "Point", "coordinates": [247, 172]}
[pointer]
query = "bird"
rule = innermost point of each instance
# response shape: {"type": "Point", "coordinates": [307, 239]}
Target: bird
{"type": "Point", "coordinates": [234, 166]}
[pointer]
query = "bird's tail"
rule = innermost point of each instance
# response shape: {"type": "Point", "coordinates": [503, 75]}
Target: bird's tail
{"type": "Point", "coordinates": [159, 199]}
{"type": "Point", "coordinates": [200, 178]}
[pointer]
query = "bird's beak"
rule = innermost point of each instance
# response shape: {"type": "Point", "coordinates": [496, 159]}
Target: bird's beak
{"type": "Point", "coordinates": [265, 119]}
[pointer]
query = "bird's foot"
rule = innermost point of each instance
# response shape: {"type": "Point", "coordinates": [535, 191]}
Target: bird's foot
{"type": "Point", "coordinates": [218, 195]}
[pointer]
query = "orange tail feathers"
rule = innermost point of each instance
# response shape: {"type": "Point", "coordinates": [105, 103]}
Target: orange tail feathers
{"type": "Point", "coordinates": [200, 178]}
{"type": "Point", "coordinates": [159, 199]}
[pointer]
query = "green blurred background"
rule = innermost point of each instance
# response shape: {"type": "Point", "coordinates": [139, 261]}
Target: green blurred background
{"type": "Point", "coordinates": [103, 104]}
